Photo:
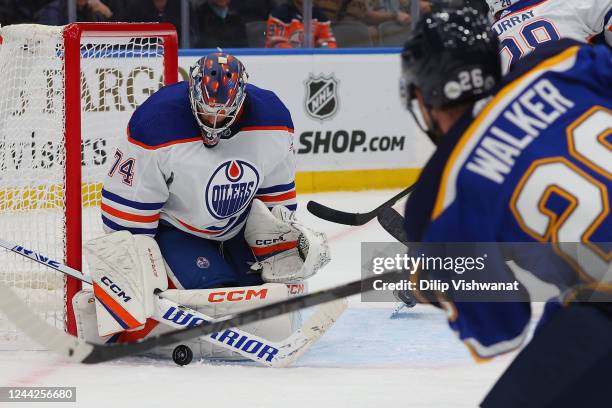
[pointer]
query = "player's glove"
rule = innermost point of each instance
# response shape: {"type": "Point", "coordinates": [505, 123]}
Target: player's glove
{"type": "Point", "coordinates": [286, 251]}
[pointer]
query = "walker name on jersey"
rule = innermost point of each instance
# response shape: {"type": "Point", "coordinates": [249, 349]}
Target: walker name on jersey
{"type": "Point", "coordinates": [519, 124]}
{"type": "Point", "coordinates": [231, 188]}
{"type": "Point", "coordinates": [503, 25]}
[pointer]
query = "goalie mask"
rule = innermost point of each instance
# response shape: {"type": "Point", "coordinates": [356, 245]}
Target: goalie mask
{"type": "Point", "coordinates": [217, 85]}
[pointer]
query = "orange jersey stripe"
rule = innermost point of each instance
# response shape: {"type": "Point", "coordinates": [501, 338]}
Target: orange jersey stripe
{"type": "Point", "coordinates": [280, 197]}
{"type": "Point", "coordinates": [159, 146]}
{"type": "Point", "coordinates": [251, 128]}
{"type": "Point", "coordinates": [283, 246]}
{"type": "Point", "coordinates": [127, 216]}
{"type": "Point", "coordinates": [189, 227]}
{"type": "Point", "coordinates": [115, 307]}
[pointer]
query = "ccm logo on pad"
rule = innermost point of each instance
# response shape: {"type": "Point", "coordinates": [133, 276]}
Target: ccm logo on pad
{"type": "Point", "coordinates": [269, 241]}
{"type": "Point", "coordinates": [115, 289]}
{"type": "Point", "coordinates": [237, 295]}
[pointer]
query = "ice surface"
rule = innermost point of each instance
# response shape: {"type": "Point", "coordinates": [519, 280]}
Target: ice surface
{"type": "Point", "coordinates": [366, 360]}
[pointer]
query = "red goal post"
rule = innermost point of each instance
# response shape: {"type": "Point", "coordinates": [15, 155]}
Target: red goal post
{"type": "Point", "coordinates": [73, 34]}
{"type": "Point", "coordinates": [67, 56]}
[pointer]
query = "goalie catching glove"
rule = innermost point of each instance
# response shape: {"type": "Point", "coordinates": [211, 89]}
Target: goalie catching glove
{"type": "Point", "coordinates": [286, 251]}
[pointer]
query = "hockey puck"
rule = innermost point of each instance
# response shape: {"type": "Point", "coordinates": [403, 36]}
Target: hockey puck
{"type": "Point", "coordinates": [182, 355]}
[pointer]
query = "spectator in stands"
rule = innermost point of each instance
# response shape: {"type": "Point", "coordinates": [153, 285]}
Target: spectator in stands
{"type": "Point", "coordinates": [56, 12]}
{"type": "Point", "coordinates": [254, 10]}
{"type": "Point", "coordinates": [119, 8]}
{"type": "Point", "coordinates": [214, 24]}
{"type": "Point", "coordinates": [159, 11]}
{"type": "Point", "coordinates": [285, 27]}
{"type": "Point", "coordinates": [337, 10]}
{"type": "Point", "coordinates": [371, 12]}
{"type": "Point", "coordinates": [20, 11]}
{"type": "Point", "coordinates": [380, 11]}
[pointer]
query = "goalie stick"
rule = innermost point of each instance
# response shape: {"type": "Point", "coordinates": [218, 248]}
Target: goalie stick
{"type": "Point", "coordinates": [347, 218]}
{"type": "Point", "coordinates": [81, 351]}
{"type": "Point", "coordinates": [272, 354]}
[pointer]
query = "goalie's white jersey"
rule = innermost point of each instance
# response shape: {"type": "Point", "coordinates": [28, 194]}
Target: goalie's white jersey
{"type": "Point", "coordinates": [526, 24]}
{"type": "Point", "coordinates": [163, 171]}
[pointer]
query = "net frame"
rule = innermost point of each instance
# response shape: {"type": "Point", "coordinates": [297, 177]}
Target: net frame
{"type": "Point", "coordinates": [72, 36]}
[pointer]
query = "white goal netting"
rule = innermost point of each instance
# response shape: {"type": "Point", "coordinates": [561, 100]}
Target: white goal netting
{"type": "Point", "coordinates": [117, 74]}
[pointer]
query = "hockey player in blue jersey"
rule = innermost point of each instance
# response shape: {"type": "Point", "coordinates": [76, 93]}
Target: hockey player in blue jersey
{"type": "Point", "coordinates": [205, 179]}
{"type": "Point", "coordinates": [525, 158]}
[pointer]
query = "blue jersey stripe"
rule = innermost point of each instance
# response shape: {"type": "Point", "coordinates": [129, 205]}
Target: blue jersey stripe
{"type": "Point", "coordinates": [607, 18]}
{"type": "Point", "coordinates": [522, 4]}
{"type": "Point", "coordinates": [238, 221]}
{"type": "Point", "coordinates": [277, 188]}
{"type": "Point", "coordinates": [117, 318]}
{"type": "Point", "coordinates": [134, 204]}
{"type": "Point", "coordinates": [117, 227]}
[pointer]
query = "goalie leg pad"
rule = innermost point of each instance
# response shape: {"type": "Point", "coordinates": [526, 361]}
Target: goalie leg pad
{"type": "Point", "coordinates": [221, 302]}
{"type": "Point", "coordinates": [126, 269]}
{"type": "Point", "coordinates": [85, 317]}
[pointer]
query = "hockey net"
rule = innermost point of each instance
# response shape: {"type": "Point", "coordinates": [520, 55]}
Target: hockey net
{"type": "Point", "coordinates": [67, 95]}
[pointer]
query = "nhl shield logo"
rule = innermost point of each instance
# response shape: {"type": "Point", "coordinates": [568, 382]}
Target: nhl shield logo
{"type": "Point", "coordinates": [321, 96]}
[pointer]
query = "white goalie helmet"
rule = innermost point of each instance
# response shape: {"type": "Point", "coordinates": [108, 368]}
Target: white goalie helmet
{"type": "Point", "coordinates": [498, 5]}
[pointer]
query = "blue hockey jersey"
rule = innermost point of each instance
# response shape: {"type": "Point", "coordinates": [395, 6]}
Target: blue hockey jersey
{"type": "Point", "coordinates": [531, 164]}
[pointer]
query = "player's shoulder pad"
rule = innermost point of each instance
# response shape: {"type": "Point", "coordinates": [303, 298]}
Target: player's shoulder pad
{"type": "Point", "coordinates": [164, 119]}
{"type": "Point", "coordinates": [592, 66]}
{"type": "Point", "coordinates": [263, 110]}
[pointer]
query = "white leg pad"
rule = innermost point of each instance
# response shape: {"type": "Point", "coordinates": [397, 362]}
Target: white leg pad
{"type": "Point", "coordinates": [126, 269]}
{"type": "Point", "coordinates": [224, 301]}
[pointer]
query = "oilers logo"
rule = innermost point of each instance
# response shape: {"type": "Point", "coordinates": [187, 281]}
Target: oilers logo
{"type": "Point", "coordinates": [231, 188]}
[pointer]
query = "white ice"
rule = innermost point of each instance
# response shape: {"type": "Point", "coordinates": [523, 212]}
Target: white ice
{"type": "Point", "coordinates": [366, 360]}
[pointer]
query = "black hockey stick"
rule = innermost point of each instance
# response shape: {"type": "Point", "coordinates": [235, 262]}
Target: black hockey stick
{"type": "Point", "coordinates": [111, 352]}
{"type": "Point", "coordinates": [286, 351]}
{"type": "Point", "coordinates": [81, 351]}
{"type": "Point", "coordinates": [393, 223]}
{"type": "Point", "coordinates": [347, 218]}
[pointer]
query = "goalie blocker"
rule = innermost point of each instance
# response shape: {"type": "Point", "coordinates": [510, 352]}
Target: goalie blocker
{"type": "Point", "coordinates": [128, 270]}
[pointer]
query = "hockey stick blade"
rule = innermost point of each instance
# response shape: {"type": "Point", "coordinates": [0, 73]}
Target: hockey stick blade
{"type": "Point", "coordinates": [348, 218]}
{"type": "Point", "coordinates": [393, 223]}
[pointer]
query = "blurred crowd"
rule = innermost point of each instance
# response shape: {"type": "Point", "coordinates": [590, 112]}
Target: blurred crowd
{"type": "Point", "coordinates": [244, 23]}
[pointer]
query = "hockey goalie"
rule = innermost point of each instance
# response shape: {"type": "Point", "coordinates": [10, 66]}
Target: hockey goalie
{"type": "Point", "coordinates": [199, 209]}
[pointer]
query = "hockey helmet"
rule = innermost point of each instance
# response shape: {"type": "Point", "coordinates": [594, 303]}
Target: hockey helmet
{"type": "Point", "coordinates": [498, 5]}
{"type": "Point", "coordinates": [451, 57]}
{"type": "Point", "coordinates": [217, 84]}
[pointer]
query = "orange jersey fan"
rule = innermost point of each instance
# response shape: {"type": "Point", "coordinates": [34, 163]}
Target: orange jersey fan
{"type": "Point", "coordinates": [285, 28]}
